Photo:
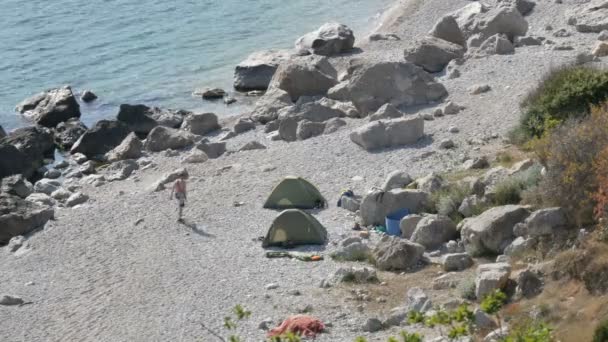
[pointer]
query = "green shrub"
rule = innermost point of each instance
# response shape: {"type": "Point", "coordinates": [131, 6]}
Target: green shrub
{"type": "Point", "coordinates": [447, 200]}
{"type": "Point", "coordinates": [510, 191]}
{"type": "Point", "coordinates": [530, 332]}
{"type": "Point", "coordinates": [601, 332]}
{"type": "Point", "coordinates": [564, 93]}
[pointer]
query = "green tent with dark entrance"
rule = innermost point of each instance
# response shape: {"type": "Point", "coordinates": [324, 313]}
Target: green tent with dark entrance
{"type": "Point", "coordinates": [295, 192]}
{"type": "Point", "coordinates": [295, 227]}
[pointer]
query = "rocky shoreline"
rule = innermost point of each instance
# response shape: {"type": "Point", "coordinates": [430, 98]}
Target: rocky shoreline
{"type": "Point", "coordinates": [92, 238]}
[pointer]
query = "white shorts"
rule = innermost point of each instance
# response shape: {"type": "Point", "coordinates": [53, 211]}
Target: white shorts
{"type": "Point", "coordinates": [181, 199]}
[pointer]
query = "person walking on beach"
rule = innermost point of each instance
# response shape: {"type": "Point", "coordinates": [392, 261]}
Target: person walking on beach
{"type": "Point", "coordinates": [179, 188]}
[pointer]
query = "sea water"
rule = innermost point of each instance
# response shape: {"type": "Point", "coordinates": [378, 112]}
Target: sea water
{"type": "Point", "coordinates": [154, 52]}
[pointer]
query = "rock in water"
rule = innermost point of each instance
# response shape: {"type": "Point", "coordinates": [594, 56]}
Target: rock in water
{"type": "Point", "coordinates": [255, 72]}
{"type": "Point", "coordinates": [164, 138]}
{"type": "Point", "coordinates": [381, 134]}
{"type": "Point", "coordinates": [304, 76]}
{"type": "Point", "coordinates": [51, 107]}
{"type": "Point", "coordinates": [88, 96]}
{"type": "Point", "coordinates": [68, 132]}
{"type": "Point", "coordinates": [19, 217]}
{"type": "Point", "coordinates": [141, 119]}
{"type": "Point", "coordinates": [211, 93]}
{"type": "Point", "coordinates": [130, 148]}
{"type": "Point", "coordinates": [2, 132]}
{"type": "Point", "coordinates": [433, 54]}
{"type": "Point", "coordinates": [101, 138]}
{"type": "Point", "coordinates": [200, 124]}
{"type": "Point", "coordinates": [370, 85]}
{"type": "Point", "coordinates": [330, 39]}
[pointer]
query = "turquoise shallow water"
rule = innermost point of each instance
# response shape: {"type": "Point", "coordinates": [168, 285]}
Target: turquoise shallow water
{"type": "Point", "coordinates": [153, 52]}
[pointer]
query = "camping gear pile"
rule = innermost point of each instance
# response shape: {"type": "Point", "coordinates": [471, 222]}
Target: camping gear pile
{"type": "Point", "coordinates": [294, 226]}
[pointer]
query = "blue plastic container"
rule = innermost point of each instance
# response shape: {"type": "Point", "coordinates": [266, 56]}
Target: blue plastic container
{"type": "Point", "coordinates": [393, 219]}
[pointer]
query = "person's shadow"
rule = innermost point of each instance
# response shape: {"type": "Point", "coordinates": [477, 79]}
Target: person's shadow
{"type": "Point", "coordinates": [196, 229]}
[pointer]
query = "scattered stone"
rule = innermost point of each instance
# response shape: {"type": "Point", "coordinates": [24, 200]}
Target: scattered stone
{"type": "Point", "coordinates": [79, 158]}
{"type": "Point", "coordinates": [393, 253]}
{"type": "Point", "coordinates": [447, 29]}
{"type": "Point", "coordinates": [88, 96]}
{"type": "Point", "coordinates": [603, 36]}
{"type": "Point", "coordinates": [468, 205]}
{"type": "Point", "coordinates": [529, 284]}
{"type": "Point", "coordinates": [479, 89]}
{"type": "Point", "coordinates": [433, 230]}
{"type": "Point", "coordinates": [67, 133]}
{"type": "Point", "coordinates": [195, 156]}
{"type": "Point", "coordinates": [76, 199]}
{"type": "Point", "coordinates": [528, 41]}
{"type": "Point", "coordinates": [16, 185]}
{"type": "Point", "coordinates": [372, 325]}
{"type": "Point", "coordinates": [46, 186]}
{"type": "Point", "coordinates": [483, 321]}
{"type": "Point", "coordinates": [456, 262]}
{"type": "Point", "coordinates": [446, 281]}
{"type": "Point", "coordinates": [141, 119]}
{"type": "Point", "coordinates": [252, 145]}
{"type": "Point", "coordinates": [408, 225]}
{"type": "Point", "coordinates": [350, 203]}
{"type": "Point", "coordinates": [328, 40]}
{"type": "Point", "coordinates": [268, 106]}
{"type": "Point", "coordinates": [377, 204]}
{"type": "Point", "coordinates": [356, 251]}
{"type": "Point", "coordinates": [545, 222]}
{"type": "Point", "coordinates": [383, 36]}
{"type": "Point", "coordinates": [243, 125]}
{"type": "Point", "coordinates": [41, 199]}
{"type": "Point", "coordinates": [200, 124]}
{"type": "Point", "coordinates": [50, 107]}
{"type": "Point", "coordinates": [355, 274]}
{"type": "Point", "coordinates": [498, 44]}
{"type": "Point", "coordinates": [438, 112]}
{"type": "Point", "coordinates": [451, 108]}
{"type": "Point", "coordinates": [388, 111]}
{"type": "Point", "coordinates": [491, 231]}
{"type": "Point", "coordinates": [119, 170]}
{"type": "Point", "coordinates": [333, 125]}
{"type": "Point", "coordinates": [563, 47]}
{"type": "Point", "coordinates": [417, 300]}
{"type": "Point", "coordinates": [52, 174]}
{"type": "Point", "coordinates": [584, 58]}
{"type": "Point", "coordinates": [61, 194]}
{"type": "Point", "coordinates": [88, 167]}
{"type": "Point", "coordinates": [255, 72]}
{"type": "Point", "coordinates": [476, 163]}
{"type": "Point", "coordinates": [453, 129]}
{"type": "Point", "coordinates": [428, 117]}
{"type": "Point", "coordinates": [19, 216]}
{"type": "Point", "coordinates": [272, 286]}
{"type": "Point", "coordinates": [9, 300]}
{"type": "Point", "coordinates": [212, 150]}
{"type": "Point", "coordinates": [210, 93]}
{"type": "Point", "coordinates": [491, 277]}
{"type": "Point", "coordinates": [396, 180]}
{"type": "Point", "coordinates": [600, 49]}
{"type": "Point", "coordinates": [308, 129]}
{"type": "Point", "coordinates": [446, 144]}
{"type": "Point", "coordinates": [591, 17]}
{"type": "Point", "coordinates": [381, 134]}
{"type": "Point", "coordinates": [265, 324]}
{"type": "Point", "coordinates": [429, 183]}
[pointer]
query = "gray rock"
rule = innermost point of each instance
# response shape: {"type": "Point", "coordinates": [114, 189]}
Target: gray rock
{"type": "Point", "coordinates": [210, 93]}
{"type": "Point", "coordinates": [229, 135]}
{"type": "Point", "coordinates": [252, 145]}
{"type": "Point", "coordinates": [130, 148]}
{"type": "Point", "coordinates": [447, 29]}
{"type": "Point", "coordinates": [603, 36]}
{"type": "Point", "coordinates": [2, 132]}
{"type": "Point", "coordinates": [195, 156]}
{"type": "Point", "coordinates": [16, 185]}
{"type": "Point", "coordinates": [67, 133]}
{"type": "Point", "coordinates": [483, 321]}
{"type": "Point", "coordinates": [479, 89]}
{"type": "Point", "coordinates": [101, 138]}
{"type": "Point", "coordinates": [76, 199]}
{"type": "Point", "coordinates": [79, 158]}
{"type": "Point", "coordinates": [350, 203]}
{"type": "Point", "coordinates": [304, 76]}
{"type": "Point", "coordinates": [520, 246]}
{"type": "Point", "coordinates": [271, 286]}
{"type": "Point", "coordinates": [121, 169]}
{"type": "Point", "coordinates": [456, 262]}
{"type": "Point", "coordinates": [390, 133]}
{"type": "Point", "coordinates": [393, 253]}
{"type": "Point", "coordinates": [396, 180]}
{"type": "Point", "coordinates": [388, 111]}
{"type": "Point", "coordinates": [243, 125]}
{"type": "Point", "coordinates": [446, 281]}
{"type": "Point", "coordinates": [265, 324]}
{"type": "Point", "coordinates": [355, 274]}
{"type": "Point", "coordinates": [255, 72]}
{"type": "Point", "coordinates": [528, 41]}
{"type": "Point", "coordinates": [88, 96]}
{"type": "Point", "coordinates": [417, 300]}
{"type": "Point", "coordinates": [163, 138]}
{"type": "Point", "coordinates": [377, 204]}
{"type": "Point", "coordinates": [500, 333]}
{"type": "Point", "coordinates": [200, 124]}
{"type": "Point", "coordinates": [50, 107]}
{"type": "Point", "coordinates": [328, 40]}
{"type": "Point", "coordinates": [591, 17]}
{"type": "Point", "coordinates": [61, 194]}
{"type": "Point", "coordinates": [433, 54]}
{"type": "Point", "coordinates": [24, 150]}
{"type": "Point", "coordinates": [600, 49]}
{"type": "Point", "coordinates": [15, 243]}
{"type": "Point", "coordinates": [498, 44]}
{"type": "Point", "coordinates": [9, 300]}
{"type": "Point", "coordinates": [333, 125]}
{"type": "Point", "coordinates": [46, 186]}
{"type": "Point", "coordinates": [433, 230]}
{"type": "Point", "coordinates": [396, 317]}
{"type": "Point", "coordinates": [476, 163]}
{"type": "Point", "coordinates": [19, 217]}
{"type": "Point", "coordinates": [370, 85]}
{"type": "Point", "coordinates": [477, 18]}
{"type": "Point", "coordinates": [41, 199]}
{"type": "Point", "coordinates": [308, 129]}
{"type": "Point", "coordinates": [141, 119]}
{"type": "Point", "coordinates": [446, 144]}
{"type": "Point", "coordinates": [52, 174]}
{"type": "Point", "coordinates": [372, 325]}
{"type": "Point", "coordinates": [169, 178]}
{"type": "Point", "coordinates": [451, 108]}
{"type": "Point", "coordinates": [491, 277]}
{"type": "Point", "coordinates": [212, 150]}
{"type": "Point", "coordinates": [383, 36]}
{"type": "Point", "coordinates": [408, 225]}
{"type": "Point", "coordinates": [268, 106]}
{"type": "Point", "coordinates": [545, 221]}
{"type": "Point", "coordinates": [468, 205]}
{"type": "Point", "coordinates": [529, 284]}
{"type": "Point", "coordinates": [357, 251]}
{"type": "Point", "coordinates": [87, 167]}
{"type": "Point", "coordinates": [429, 183]}
{"type": "Point", "coordinates": [492, 231]}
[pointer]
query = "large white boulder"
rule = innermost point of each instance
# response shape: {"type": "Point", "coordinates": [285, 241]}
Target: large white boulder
{"type": "Point", "coordinates": [200, 124]}
{"type": "Point", "coordinates": [393, 253]}
{"type": "Point", "coordinates": [50, 107]}
{"type": "Point", "coordinates": [377, 204]}
{"type": "Point", "coordinates": [433, 54]}
{"type": "Point", "coordinates": [433, 230]}
{"type": "Point", "coordinates": [256, 71]}
{"type": "Point", "coordinates": [268, 106]}
{"type": "Point", "coordinates": [163, 138]}
{"type": "Point", "coordinates": [491, 277]}
{"type": "Point", "coordinates": [328, 40]}
{"type": "Point", "coordinates": [388, 133]}
{"type": "Point", "coordinates": [370, 85]}
{"type": "Point", "coordinates": [130, 148]}
{"type": "Point", "coordinates": [304, 76]}
{"type": "Point", "coordinates": [492, 231]}
{"type": "Point", "coordinates": [447, 29]}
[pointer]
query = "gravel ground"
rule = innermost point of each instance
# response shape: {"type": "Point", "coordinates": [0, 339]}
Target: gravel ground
{"type": "Point", "coordinates": [94, 275]}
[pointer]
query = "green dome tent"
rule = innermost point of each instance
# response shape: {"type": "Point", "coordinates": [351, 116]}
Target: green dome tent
{"type": "Point", "coordinates": [295, 227]}
{"type": "Point", "coordinates": [295, 192]}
